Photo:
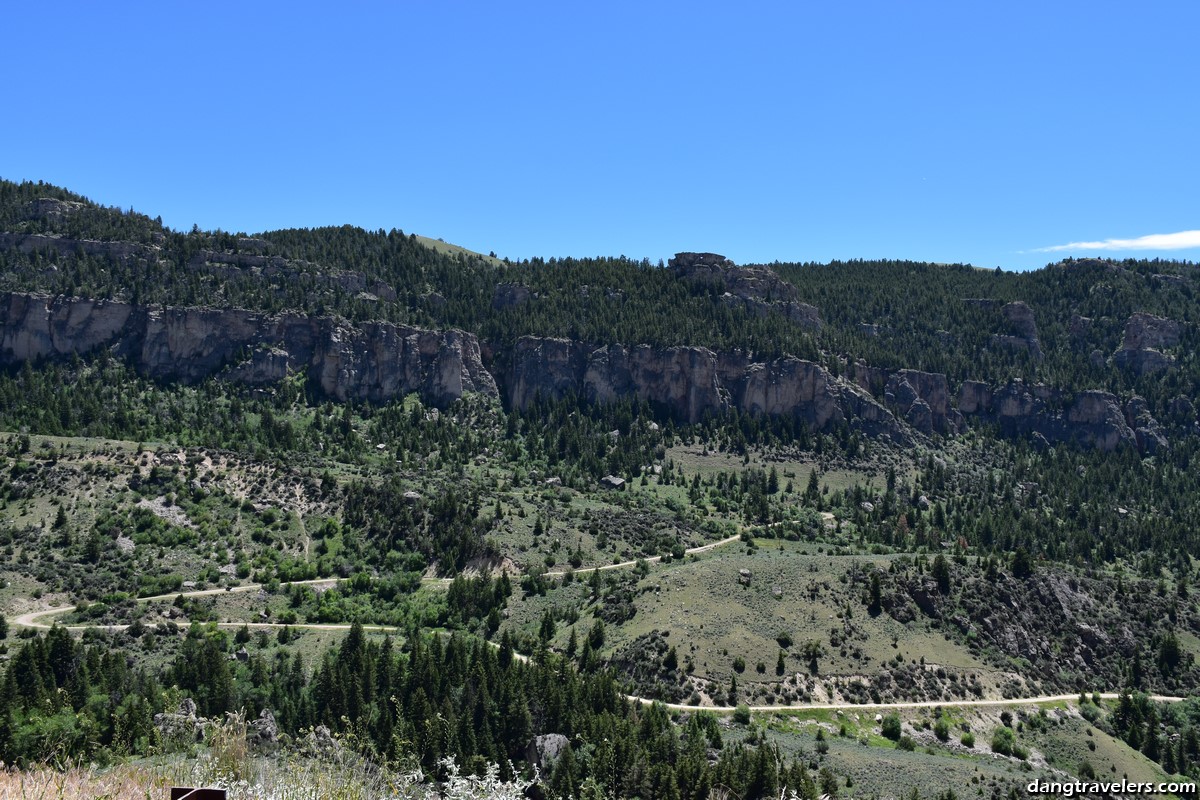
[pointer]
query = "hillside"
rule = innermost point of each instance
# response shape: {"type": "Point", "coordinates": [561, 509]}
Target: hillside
{"type": "Point", "coordinates": [469, 508]}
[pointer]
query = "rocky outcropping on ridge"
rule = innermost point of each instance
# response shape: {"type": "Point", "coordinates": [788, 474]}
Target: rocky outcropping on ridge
{"type": "Point", "coordinates": [373, 361]}
{"type": "Point", "coordinates": [760, 290]}
{"type": "Point", "coordinates": [1146, 336]}
{"type": "Point", "coordinates": [1024, 334]}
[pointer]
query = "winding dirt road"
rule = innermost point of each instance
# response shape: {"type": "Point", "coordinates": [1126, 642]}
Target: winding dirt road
{"type": "Point", "coordinates": [38, 620]}
{"type": "Point", "coordinates": [704, 548]}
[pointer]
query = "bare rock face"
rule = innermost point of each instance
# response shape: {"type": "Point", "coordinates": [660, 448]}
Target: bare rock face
{"type": "Point", "coordinates": [1144, 331]}
{"type": "Point", "coordinates": [974, 397]}
{"type": "Point", "coordinates": [545, 750]}
{"type": "Point", "coordinates": [692, 382]}
{"type": "Point", "coordinates": [1091, 419]}
{"type": "Point", "coordinates": [249, 259]}
{"type": "Point", "coordinates": [51, 209]}
{"type": "Point", "coordinates": [36, 327]}
{"type": "Point", "coordinates": [867, 377]}
{"type": "Point", "coordinates": [374, 361]}
{"type": "Point", "coordinates": [1024, 333]}
{"type": "Point", "coordinates": [687, 264]}
{"type": "Point", "coordinates": [923, 400]}
{"type": "Point", "coordinates": [1176, 281]}
{"type": "Point", "coordinates": [1020, 317]}
{"type": "Point", "coordinates": [1145, 338]}
{"type": "Point", "coordinates": [1151, 438]}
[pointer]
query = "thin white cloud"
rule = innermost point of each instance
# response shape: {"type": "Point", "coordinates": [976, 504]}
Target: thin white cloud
{"type": "Point", "coordinates": [1183, 240]}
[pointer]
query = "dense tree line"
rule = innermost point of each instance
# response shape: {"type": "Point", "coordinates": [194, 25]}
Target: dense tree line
{"type": "Point", "coordinates": [430, 698]}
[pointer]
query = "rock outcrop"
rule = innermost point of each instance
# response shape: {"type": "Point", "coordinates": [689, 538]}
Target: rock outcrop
{"type": "Point", "coordinates": [800, 313]}
{"type": "Point", "coordinates": [1023, 327]}
{"type": "Point", "coordinates": [248, 262]}
{"type": "Point", "coordinates": [121, 252]}
{"type": "Point", "coordinates": [1149, 434]}
{"type": "Point", "coordinates": [1091, 418]}
{"type": "Point", "coordinates": [759, 290]}
{"type": "Point", "coordinates": [692, 382]}
{"type": "Point", "coordinates": [182, 726]}
{"type": "Point", "coordinates": [1146, 336]}
{"type": "Point", "coordinates": [511, 295]}
{"type": "Point", "coordinates": [923, 400]}
{"type": "Point", "coordinates": [545, 750]}
{"type": "Point", "coordinates": [373, 361]}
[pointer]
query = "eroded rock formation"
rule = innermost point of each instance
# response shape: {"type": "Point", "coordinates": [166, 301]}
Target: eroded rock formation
{"type": "Point", "coordinates": [692, 382]}
{"type": "Point", "coordinates": [923, 400]}
{"type": "Point", "coordinates": [1146, 336]}
{"type": "Point", "coordinates": [1091, 418]}
{"type": "Point", "coordinates": [373, 361]}
{"type": "Point", "coordinates": [1023, 333]}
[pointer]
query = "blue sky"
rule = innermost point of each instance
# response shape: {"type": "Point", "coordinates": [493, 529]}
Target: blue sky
{"type": "Point", "coordinates": [973, 132]}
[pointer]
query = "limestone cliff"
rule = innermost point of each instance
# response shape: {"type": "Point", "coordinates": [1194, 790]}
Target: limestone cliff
{"type": "Point", "coordinates": [1091, 418]}
{"type": "Point", "coordinates": [692, 382]}
{"type": "Point", "coordinates": [923, 400]}
{"type": "Point", "coordinates": [373, 361]}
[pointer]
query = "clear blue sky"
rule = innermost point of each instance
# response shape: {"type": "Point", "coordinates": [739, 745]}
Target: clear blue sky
{"type": "Point", "coordinates": [955, 131]}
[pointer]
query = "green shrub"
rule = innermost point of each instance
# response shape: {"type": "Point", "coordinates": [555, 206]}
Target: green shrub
{"type": "Point", "coordinates": [891, 727]}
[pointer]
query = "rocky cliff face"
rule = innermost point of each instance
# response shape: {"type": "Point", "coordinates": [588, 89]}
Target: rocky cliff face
{"type": "Point", "coordinates": [1091, 419]}
{"type": "Point", "coordinates": [379, 361]}
{"type": "Point", "coordinates": [374, 361]}
{"type": "Point", "coordinates": [1023, 327]}
{"type": "Point", "coordinates": [692, 382]}
{"type": "Point", "coordinates": [1146, 336]}
{"type": "Point", "coordinates": [923, 400]}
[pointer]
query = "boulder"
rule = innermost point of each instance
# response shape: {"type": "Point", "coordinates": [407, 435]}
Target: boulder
{"type": "Point", "coordinates": [182, 725]}
{"type": "Point", "coordinates": [265, 729]}
{"type": "Point", "coordinates": [545, 750]}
